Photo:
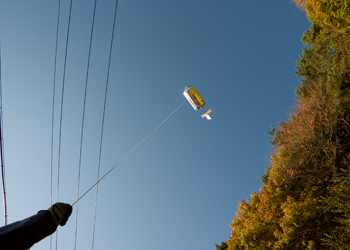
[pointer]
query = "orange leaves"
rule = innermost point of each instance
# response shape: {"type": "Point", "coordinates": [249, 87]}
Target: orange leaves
{"type": "Point", "coordinates": [255, 224]}
{"type": "Point", "coordinates": [297, 208]}
{"type": "Point", "coordinates": [287, 213]}
{"type": "Point", "coordinates": [304, 143]}
{"type": "Point", "coordinates": [300, 3]}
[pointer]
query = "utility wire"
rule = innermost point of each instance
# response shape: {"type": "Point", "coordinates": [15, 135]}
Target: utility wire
{"type": "Point", "coordinates": [53, 98]}
{"type": "Point", "coordinates": [144, 139]}
{"type": "Point", "coordinates": [62, 95]}
{"type": "Point", "coordinates": [53, 107]}
{"type": "Point", "coordinates": [60, 129]}
{"type": "Point", "coordinates": [82, 124]}
{"type": "Point", "coordinates": [2, 149]}
{"type": "Point", "coordinates": [103, 119]}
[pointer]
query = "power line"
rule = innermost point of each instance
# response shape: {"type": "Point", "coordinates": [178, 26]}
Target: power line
{"type": "Point", "coordinates": [62, 95]}
{"type": "Point", "coordinates": [53, 96]}
{"type": "Point", "coordinates": [60, 128]}
{"type": "Point", "coordinates": [53, 107]}
{"type": "Point", "coordinates": [2, 149]}
{"type": "Point", "coordinates": [82, 124]}
{"type": "Point", "coordinates": [103, 119]}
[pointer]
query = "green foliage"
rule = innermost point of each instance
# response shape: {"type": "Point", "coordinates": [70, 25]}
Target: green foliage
{"type": "Point", "coordinates": [304, 203]}
{"type": "Point", "coordinates": [265, 176]}
{"type": "Point", "coordinates": [311, 36]}
{"type": "Point", "coordinates": [337, 203]}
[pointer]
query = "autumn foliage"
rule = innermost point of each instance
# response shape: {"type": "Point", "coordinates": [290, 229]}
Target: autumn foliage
{"type": "Point", "coordinates": [305, 203]}
{"type": "Point", "coordinates": [333, 13]}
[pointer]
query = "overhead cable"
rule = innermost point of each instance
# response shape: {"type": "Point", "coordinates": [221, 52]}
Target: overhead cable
{"type": "Point", "coordinates": [62, 95]}
{"type": "Point", "coordinates": [2, 149]}
{"type": "Point", "coordinates": [82, 124]}
{"type": "Point", "coordinates": [53, 107]}
{"type": "Point", "coordinates": [103, 119]}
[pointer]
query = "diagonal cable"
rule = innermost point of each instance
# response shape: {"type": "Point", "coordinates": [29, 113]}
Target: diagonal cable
{"type": "Point", "coordinates": [139, 144]}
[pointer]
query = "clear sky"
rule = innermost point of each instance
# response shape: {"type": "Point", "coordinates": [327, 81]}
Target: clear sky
{"type": "Point", "coordinates": [180, 189]}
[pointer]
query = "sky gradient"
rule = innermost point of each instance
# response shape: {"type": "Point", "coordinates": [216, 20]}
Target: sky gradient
{"type": "Point", "coordinates": [179, 189]}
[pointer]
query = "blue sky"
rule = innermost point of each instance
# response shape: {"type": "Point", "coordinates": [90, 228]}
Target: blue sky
{"type": "Point", "coordinates": [180, 189]}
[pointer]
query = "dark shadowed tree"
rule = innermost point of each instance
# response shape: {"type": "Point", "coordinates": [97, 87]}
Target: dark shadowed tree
{"type": "Point", "coordinates": [222, 247]}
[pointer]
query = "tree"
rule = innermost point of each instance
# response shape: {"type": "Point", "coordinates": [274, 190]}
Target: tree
{"type": "Point", "coordinates": [222, 247]}
{"type": "Point", "coordinates": [338, 203]}
{"type": "Point", "coordinates": [304, 203]}
{"type": "Point", "coordinates": [332, 13]}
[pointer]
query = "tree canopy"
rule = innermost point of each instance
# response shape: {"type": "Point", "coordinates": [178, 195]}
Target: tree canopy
{"type": "Point", "coordinates": [304, 203]}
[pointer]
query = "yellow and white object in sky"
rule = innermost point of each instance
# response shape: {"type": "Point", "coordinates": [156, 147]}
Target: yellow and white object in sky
{"type": "Point", "coordinates": [197, 102]}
